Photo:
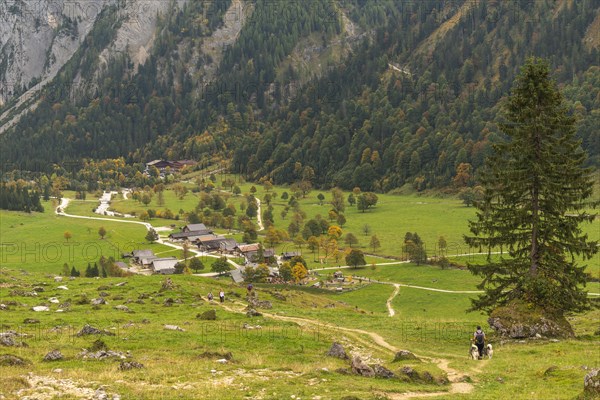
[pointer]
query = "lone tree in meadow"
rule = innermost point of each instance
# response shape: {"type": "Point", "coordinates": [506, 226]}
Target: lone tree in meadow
{"type": "Point", "coordinates": [355, 258]}
{"type": "Point", "coordinates": [102, 232]}
{"type": "Point", "coordinates": [67, 235]}
{"type": "Point", "coordinates": [535, 197]}
{"type": "Point", "coordinates": [220, 266]}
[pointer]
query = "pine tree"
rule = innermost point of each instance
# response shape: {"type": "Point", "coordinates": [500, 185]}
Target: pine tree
{"type": "Point", "coordinates": [535, 192]}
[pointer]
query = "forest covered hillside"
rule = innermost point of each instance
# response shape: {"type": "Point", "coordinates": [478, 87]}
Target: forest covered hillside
{"type": "Point", "coordinates": [338, 93]}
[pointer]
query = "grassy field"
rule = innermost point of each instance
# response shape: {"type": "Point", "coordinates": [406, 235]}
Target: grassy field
{"type": "Point", "coordinates": [36, 242]}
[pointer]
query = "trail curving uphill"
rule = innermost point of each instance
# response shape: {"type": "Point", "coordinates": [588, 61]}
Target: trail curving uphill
{"type": "Point", "coordinates": [389, 301]}
{"type": "Point", "coordinates": [457, 386]}
{"type": "Point", "coordinates": [259, 221]}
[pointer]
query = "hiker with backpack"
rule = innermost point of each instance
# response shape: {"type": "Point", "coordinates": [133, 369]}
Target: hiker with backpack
{"type": "Point", "coordinates": [479, 340]}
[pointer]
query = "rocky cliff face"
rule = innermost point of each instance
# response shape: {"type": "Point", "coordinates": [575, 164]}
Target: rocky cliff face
{"type": "Point", "coordinates": [38, 37]}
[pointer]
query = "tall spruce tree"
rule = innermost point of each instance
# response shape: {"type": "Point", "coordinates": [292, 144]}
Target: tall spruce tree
{"type": "Point", "coordinates": [536, 192]}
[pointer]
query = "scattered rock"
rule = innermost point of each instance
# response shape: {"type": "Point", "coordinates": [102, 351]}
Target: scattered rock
{"type": "Point", "coordinates": [145, 321]}
{"type": "Point", "coordinates": [360, 368]}
{"type": "Point", "coordinates": [31, 321]}
{"type": "Point", "coordinates": [58, 279]}
{"type": "Point", "coordinates": [383, 372]}
{"type": "Point", "coordinates": [167, 284]}
{"type": "Point", "coordinates": [22, 293]}
{"type": "Point", "coordinates": [411, 373]}
{"type": "Point", "coordinates": [253, 313]}
{"type": "Point", "coordinates": [53, 300]}
{"type": "Point", "coordinates": [122, 308]}
{"type": "Point", "coordinates": [99, 301]}
{"type": "Point", "coordinates": [3, 307]}
{"type": "Point", "coordinates": [404, 355]}
{"type": "Point", "coordinates": [208, 315]}
{"type": "Point", "coordinates": [38, 289]}
{"type": "Point", "coordinates": [222, 361]}
{"type": "Point", "coordinates": [499, 379]}
{"type": "Point", "coordinates": [98, 345]}
{"type": "Point", "coordinates": [169, 302]}
{"type": "Point", "coordinates": [253, 302]}
{"type": "Point", "coordinates": [121, 284]}
{"type": "Point", "coordinates": [90, 330]}
{"type": "Point", "coordinates": [338, 351]}
{"type": "Point", "coordinates": [174, 328]}
{"type": "Point", "coordinates": [62, 288]}
{"type": "Point", "coordinates": [591, 382]}
{"type": "Point", "coordinates": [54, 355]}
{"type": "Point", "coordinates": [279, 296]}
{"type": "Point", "coordinates": [208, 354]}
{"type": "Point", "coordinates": [127, 365]}
{"type": "Point", "coordinates": [8, 360]}
{"type": "Point", "coordinates": [57, 370]}
{"type": "Point", "coordinates": [40, 308]}
{"type": "Point", "coordinates": [9, 339]}
{"type": "Point", "coordinates": [251, 327]}
{"type": "Point", "coordinates": [103, 354]}
{"type": "Point", "coordinates": [427, 377]}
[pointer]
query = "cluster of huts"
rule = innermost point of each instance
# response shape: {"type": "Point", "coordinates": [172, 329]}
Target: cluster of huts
{"type": "Point", "coordinates": [206, 240]}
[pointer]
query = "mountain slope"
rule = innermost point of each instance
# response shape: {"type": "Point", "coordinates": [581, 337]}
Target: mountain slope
{"type": "Point", "coordinates": [370, 94]}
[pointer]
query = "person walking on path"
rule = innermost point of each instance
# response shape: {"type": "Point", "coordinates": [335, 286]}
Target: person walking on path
{"type": "Point", "coordinates": [479, 340]}
{"type": "Point", "coordinates": [222, 296]}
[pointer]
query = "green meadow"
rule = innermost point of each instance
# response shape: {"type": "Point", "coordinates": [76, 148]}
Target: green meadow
{"type": "Point", "coordinates": [36, 242]}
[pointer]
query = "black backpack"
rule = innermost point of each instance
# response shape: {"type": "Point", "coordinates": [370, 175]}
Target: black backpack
{"type": "Point", "coordinates": [479, 337]}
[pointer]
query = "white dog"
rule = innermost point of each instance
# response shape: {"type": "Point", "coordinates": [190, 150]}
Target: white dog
{"type": "Point", "coordinates": [474, 352]}
{"type": "Point", "coordinates": [490, 351]}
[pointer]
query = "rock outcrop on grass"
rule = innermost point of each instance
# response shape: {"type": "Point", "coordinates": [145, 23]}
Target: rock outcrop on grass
{"type": "Point", "coordinates": [518, 320]}
{"type": "Point", "coordinates": [90, 330]}
{"type": "Point", "coordinates": [253, 313]}
{"type": "Point", "coordinates": [54, 355]}
{"type": "Point", "coordinates": [128, 365]}
{"type": "Point", "coordinates": [9, 360]}
{"type": "Point", "coordinates": [216, 355]}
{"type": "Point", "coordinates": [253, 302]}
{"type": "Point", "coordinates": [8, 339]}
{"type": "Point", "coordinates": [208, 315]}
{"type": "Point", "coordinates": [591, 382]}
{"type": "Point", "coordinates": [382, 372]}
{"type": "Point", "coordinates": [173, 328]}
{"type": "Point", "coordinates": [338, 351]}
{"type": "Point", "coordinates": [404, 355]}
{"type": "Point", "coordinates": [359, 367]}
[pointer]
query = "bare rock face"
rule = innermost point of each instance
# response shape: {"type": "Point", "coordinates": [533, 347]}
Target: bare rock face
{"type": "Point", "coordinates": [591, 382]}
{"type": "Point", "coordinates": [338, 351]}
{"type": "Point", "coordinates": [359, 367]}
{"type": "Point", "coordinates": [518, 320]}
